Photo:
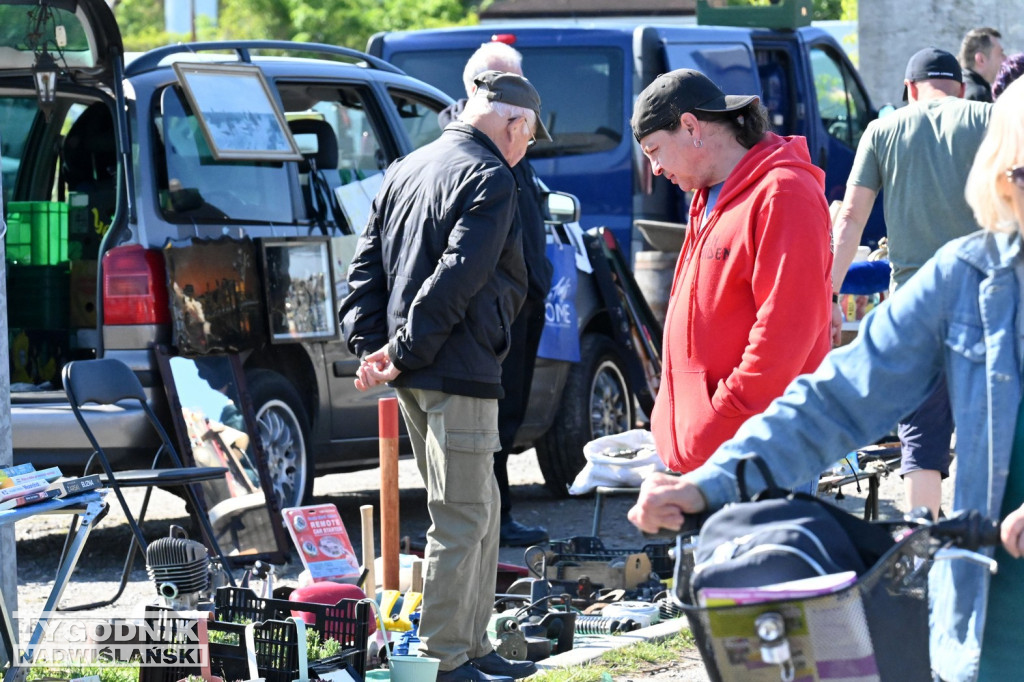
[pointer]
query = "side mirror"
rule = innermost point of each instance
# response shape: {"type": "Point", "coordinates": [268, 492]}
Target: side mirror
{"type": "Point", "coordinates": [562, 207]}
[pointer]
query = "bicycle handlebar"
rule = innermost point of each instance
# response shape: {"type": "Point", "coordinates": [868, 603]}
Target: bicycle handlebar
{"type": "Point", "coordinates": [968, 530]}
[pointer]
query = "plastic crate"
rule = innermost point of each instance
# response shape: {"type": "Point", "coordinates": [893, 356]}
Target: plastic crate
{"type": "Point", "coordinates": [277, 651]}
{"type": "Point", "coordinates": [37, 232]}
{"type": "Point", "coordinates": [38, 296]}
{"type": "Point", "coordinates": [347, 621]}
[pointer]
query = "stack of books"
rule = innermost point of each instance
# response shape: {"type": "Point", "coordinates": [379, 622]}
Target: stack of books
{"type": "Point", "coordinates": [21, 485]}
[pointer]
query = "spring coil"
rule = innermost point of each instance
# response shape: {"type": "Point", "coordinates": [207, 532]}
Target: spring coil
{"type": "Point", "coordinates": [668, 609]}
{"type": "Point", "coordinates": [599, 625]}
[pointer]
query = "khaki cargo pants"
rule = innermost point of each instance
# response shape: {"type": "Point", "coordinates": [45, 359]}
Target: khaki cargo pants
{"type": "Point", "coordinates": [454, 439]}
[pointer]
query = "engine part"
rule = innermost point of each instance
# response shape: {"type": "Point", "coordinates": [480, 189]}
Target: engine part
{"type": "Point", "coordinates": [180, 569]}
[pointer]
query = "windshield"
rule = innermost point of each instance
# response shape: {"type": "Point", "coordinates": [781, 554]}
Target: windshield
{"type": "Point", "coordinates": [584, 119]}
{"type": "Point", "coordinates": [18, 22]}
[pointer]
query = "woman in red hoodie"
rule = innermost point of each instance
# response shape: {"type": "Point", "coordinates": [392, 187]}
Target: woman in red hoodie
{"type": "Point", "coordinates": [750, 305]}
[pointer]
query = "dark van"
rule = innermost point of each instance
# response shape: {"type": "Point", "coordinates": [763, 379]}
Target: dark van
{"type": "Point", "coordinates": [589, 76]}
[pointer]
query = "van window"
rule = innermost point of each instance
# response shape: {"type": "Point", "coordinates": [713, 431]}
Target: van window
{"type": "Point", "coordinates": [348, 118]}
{"type": "Point", "coordinates": [842, 105]}
{"type": "Point", "coordinates": [194, 187]}
{"type": "Point", "coordinates": [419, 118]}
{"type": "Point", "coordinates": [584, 119]}
{"type": "Point", "coordinates": [16, 116]}
{"type": "Point", "coordinates": [728, 65]}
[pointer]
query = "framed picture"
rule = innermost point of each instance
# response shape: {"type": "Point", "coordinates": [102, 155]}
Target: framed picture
{"type": "Point", "coordinates": [238, 115]}
{"type": "Point", "coordinates": [301, 299]}
{"type": "Point", "coordinates": [216, 427]}
{"type": "Point", "coordinates": [215, 295]}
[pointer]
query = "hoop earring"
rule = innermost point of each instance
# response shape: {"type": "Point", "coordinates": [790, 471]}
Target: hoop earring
{"type": "Point", "coordinates": [698, 143]}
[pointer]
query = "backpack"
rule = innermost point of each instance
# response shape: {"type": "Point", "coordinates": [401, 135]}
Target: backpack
{"type": "Point", "coordinates": [778, 536]}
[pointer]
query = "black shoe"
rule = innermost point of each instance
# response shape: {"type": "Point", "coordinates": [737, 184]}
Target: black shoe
{"type": "Point", "coordinates": [494, 664]}
{"type": "Point", "coordinates": [515, 534]}
{"type": "Point", "coordinates": [466, 671]}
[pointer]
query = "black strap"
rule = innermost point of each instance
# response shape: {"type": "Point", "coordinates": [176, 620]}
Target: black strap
{"type": "Point", "coordinates": [772, 488]}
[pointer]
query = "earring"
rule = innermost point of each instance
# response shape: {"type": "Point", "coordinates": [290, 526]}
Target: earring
{"type": "Point", "coordinates": [698, 143]}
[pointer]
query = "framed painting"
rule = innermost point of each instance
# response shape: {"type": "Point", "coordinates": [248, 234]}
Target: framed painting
{"type": "Point", "coordinates": [298, 276]}
{"type": "Point", "coordinates": [239, 117]}
{"type": "Point", "coordinates": [215, 294]}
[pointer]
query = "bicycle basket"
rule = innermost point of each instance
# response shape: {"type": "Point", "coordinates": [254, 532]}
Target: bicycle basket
{"type": "Point", "coordinates": [875, 629]}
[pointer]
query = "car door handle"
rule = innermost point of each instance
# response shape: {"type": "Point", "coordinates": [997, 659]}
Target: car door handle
{"type": "Point", "coordinates": [345, 368]}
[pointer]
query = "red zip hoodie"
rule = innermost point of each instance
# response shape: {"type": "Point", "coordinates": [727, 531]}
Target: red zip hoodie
{"type": "Point", "coordinates": [750, 307]}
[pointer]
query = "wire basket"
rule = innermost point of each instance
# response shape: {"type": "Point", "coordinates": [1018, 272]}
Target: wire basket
{"type": "Point", "coordinates": [875, 629]}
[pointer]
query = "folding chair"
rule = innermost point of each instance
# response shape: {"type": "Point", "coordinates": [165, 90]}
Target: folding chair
{"type": "Point", "coordinates": [106, 382]}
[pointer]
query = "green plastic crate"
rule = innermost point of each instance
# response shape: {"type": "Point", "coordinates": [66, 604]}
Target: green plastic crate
{"type": "Point", "coordinates": [37, 232]}
{"type": "Point", "coordinates": [777, 14]}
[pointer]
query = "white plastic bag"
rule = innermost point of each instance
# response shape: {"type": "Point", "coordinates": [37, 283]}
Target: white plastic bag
{"type": "Point", "coordinates": [622, 460]}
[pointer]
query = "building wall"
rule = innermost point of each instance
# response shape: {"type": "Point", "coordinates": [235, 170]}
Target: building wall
{"type": "Point", "coordinates": [890, 31]}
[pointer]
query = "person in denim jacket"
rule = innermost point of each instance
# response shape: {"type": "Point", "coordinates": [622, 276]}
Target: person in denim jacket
{"type": "Point", "coordinates": [959, 315]}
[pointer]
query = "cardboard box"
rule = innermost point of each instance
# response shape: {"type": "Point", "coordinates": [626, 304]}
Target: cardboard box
{"type": "Point", "coordinates": [83, 293]}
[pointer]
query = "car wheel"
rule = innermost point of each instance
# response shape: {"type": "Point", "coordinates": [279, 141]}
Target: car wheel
{"type": "Point", "coordinates": [597, 401]}
{"type": "Point", "coordinates": [284, 432]}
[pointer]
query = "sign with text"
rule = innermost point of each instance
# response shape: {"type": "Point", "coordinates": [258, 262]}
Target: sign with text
{"type": "Point", "coordinates": [322, 542]}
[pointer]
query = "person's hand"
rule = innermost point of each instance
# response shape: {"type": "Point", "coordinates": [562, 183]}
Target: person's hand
{"type": "Point", "coordinates": [664, 501]}
{"type": "Point", "coordinates": [375, 369]}
{"type": "Point", "coordinates": [1011, 532]}
{"type": "Point", "coordinates": [837, 325]}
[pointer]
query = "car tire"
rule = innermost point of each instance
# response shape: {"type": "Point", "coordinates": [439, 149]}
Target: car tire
{"type": "Point", "coordinates": [284, 432]}
{"type": "Point", "coordinates": [597, 401]}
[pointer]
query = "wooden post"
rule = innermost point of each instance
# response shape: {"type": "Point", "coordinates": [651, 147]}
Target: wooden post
{"type": "Point", "coordinates": [387, 412]}
{"type": "Point", "coordinates": [369, 553]}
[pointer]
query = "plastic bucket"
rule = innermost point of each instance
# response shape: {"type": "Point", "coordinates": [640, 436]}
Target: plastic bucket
{"type": "Point", "coordinates": [378, 675]}
{"type": "Point", "coordinates": [413, 668]}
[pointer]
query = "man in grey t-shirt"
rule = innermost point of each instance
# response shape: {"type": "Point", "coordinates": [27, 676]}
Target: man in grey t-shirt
{"type": "Point", "coordinates": [921, 155]}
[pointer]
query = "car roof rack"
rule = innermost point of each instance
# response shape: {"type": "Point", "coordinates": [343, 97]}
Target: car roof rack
{"type": "Point", "coordinates": [152, 59]}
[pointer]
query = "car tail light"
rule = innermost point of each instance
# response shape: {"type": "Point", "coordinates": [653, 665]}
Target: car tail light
{"type": "Point", "coordinates": [134, 287]}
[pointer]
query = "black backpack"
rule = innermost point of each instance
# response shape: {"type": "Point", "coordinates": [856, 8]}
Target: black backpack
{"type": "Point", "coordinates": [778, 536]}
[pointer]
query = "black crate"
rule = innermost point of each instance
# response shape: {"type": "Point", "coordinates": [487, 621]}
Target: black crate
{"type": "Point", "coordinates": [277, 651]}
{"type": "Point", "coordinates": [347, 621]}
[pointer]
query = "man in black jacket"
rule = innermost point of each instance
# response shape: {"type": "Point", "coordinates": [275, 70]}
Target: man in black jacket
{"type": "Point", "coordinates": [517, 368]}
{"type": "Point", "coordinates": [981, 55]}
{"type": "Point", "coordinates": [436, 280]}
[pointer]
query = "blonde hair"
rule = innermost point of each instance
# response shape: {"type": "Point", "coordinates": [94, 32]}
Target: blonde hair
{"type": "Point", "coordinates": [1002, 148]}
{"type": "Point", "coordinates": [492, 56]}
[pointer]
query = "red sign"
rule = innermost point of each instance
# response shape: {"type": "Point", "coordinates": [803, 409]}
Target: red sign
{"type": "Point", "coordinates": [322, 542]}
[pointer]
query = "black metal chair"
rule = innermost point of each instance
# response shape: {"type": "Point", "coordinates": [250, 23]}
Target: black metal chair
{"type": "Point", "coordinates": [108, 381]}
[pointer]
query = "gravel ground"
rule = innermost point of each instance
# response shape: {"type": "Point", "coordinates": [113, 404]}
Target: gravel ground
{"type": "Point", "coordinates": [39, 540]}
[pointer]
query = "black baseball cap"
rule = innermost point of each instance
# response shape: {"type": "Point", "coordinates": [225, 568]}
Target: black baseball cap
{"type": "Point", "coordinates": [511, 88]}
{"type": "Point", "coordinates": [675, 93]}
{"type": "Point", "coordinates": [929, 63]}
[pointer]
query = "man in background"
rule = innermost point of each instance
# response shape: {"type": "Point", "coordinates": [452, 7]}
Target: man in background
{"type": "Point", "coordinates": [921, 155]}
{"type": "Point", "coordinates": [517, 369]}
{"type": "Point", "coordinates": [981, 55]}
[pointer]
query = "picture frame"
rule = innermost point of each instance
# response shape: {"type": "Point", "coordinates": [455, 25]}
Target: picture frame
{"type": "Point", "coordinates": [239, 117]}
{"type": "Point", "coordinates": [215, 295]}
{"type": "Point", "coordinates": [215, 422]}
{"type": "Point", "coordinates": [300, 293]}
